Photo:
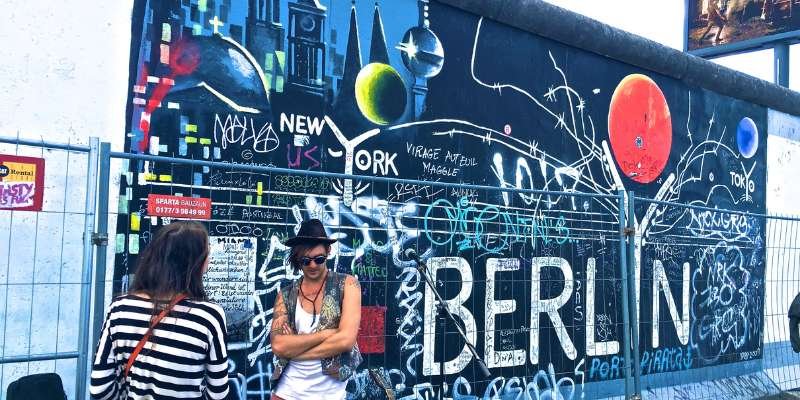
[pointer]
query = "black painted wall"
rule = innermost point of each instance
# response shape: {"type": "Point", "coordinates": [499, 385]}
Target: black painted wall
{"type": "Point", "coordinates": [451, 98]}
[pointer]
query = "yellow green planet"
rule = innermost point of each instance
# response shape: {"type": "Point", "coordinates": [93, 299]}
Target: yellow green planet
{"type": "Point", "coordinates": [380, 93]}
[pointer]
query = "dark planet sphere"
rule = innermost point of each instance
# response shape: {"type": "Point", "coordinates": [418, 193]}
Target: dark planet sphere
{"type": "Point", "coordinates": [747, 137]}
{"type": "Point", "coordinates": [222, 64]}
{"type": "Point", "coordinates": [380, 93]}
{"type": "Point", "coordinates": [422, 52]}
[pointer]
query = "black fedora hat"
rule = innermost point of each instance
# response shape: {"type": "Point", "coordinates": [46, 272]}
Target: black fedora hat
{"type": "Point", "coordinates": [311, 232]}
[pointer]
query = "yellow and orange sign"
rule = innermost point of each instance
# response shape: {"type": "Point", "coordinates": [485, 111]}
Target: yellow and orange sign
{"type": "Point", "coordinates": [21, 183]}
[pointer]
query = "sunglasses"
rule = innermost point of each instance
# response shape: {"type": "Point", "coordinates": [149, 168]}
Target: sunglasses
{"type": "Point", "coordinates": [319, 260]}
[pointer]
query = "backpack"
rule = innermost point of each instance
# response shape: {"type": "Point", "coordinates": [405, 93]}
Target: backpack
{"type": "Point", "coordinates": [37, 387]}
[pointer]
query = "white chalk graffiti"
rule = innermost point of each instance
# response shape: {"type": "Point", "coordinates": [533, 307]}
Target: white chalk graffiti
{"type": "Point", "coordinates": [721, 304]}
{"type": "Point", "coordinates": [361, 385]}
{"type": "Point", "coordinates": [242, 130]}
{"type": "Point", "coordinates": [719, 225]}
{"type": "Point", "coordinates": [239, 384]}
{"type": "Point", "coordinates": [410, 324]}
{"type": "Point", "coordinates": [545, 385]}
{"type": "Point", "coordinates": [605, 327]}
{"type": "Point", "coordinates": [367, 217]}
{"type": "Point", "coordinates": [270, 276]}
{"type": "Point", "coordinates": [349, 146]}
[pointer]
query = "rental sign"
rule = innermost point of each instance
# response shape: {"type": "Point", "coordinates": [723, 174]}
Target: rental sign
{"type": "Point", "coordinates": [21, 183]}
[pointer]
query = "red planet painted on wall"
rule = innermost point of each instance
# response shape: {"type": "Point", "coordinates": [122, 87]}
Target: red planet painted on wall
{"type": "Point", "coordinates": [640, 128]}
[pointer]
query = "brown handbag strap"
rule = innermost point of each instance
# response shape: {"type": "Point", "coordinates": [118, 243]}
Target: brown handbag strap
{"type": "Point", "coordinates": [149, 332]}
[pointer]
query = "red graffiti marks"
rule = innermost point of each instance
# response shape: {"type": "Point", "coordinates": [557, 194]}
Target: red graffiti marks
{"type": "Point", "coordinates": [183, 60]}
{"type": "Point", "coordinates": [371, 338]}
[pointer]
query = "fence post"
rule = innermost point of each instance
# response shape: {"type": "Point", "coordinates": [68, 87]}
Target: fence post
{"type": "Point", "coordinates": [86, 276]}
{"type": "Point", "coordinates": [632, 306]}
{"type": "Point", "coordinates": [623, 263]}
{"type": "Point", "coordinates": [101, 238]}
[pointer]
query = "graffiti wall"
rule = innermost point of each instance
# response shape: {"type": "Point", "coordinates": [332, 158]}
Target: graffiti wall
{"type": "Point", "coordinates": [421, 91]}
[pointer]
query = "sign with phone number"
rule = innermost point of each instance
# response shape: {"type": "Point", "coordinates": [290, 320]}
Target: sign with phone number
{"type": "Point", "coordinates": [160, 205]}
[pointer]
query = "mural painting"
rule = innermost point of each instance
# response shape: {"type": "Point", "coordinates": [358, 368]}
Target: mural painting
{"type": "Point", "coordinates": [421, 91]}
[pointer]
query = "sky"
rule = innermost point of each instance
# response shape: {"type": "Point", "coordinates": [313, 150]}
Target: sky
{"type": "Point", "coordinates": [662, 21]}
{"type": "Point", "coordinates": [658, 20]}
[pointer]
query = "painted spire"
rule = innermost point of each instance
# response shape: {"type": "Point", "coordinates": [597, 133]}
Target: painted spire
{"type": "Point", "coordinates": [352, 58]}
{"type": "Point", "coordinates": [378, 51]}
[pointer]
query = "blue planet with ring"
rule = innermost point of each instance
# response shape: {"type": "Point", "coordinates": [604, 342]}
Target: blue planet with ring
{"type": "Point", "coordinates": [747, 137]}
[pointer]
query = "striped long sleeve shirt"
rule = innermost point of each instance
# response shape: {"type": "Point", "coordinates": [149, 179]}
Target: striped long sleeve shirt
{"type": "Point", "coordinates": [185, 357]}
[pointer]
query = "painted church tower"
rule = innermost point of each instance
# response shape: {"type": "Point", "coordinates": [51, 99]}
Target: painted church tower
{"type": "Point", "coordinates": [307, 47]}
{"type": "Point", "coordinates": [265, 41]}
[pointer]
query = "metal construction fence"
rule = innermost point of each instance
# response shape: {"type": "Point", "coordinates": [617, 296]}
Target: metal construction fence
{"type": "Point", "coordinates": [546, 284]}
{"type": "Point", "coordinates": [46, 268]}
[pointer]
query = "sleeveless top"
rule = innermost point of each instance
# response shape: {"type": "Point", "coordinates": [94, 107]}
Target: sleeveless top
{"type": "Point", "coordinates": [303, 379]}
{"type": "Point", "coordinates": [341, 366]}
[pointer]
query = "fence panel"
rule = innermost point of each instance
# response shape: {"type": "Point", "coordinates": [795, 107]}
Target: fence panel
{"type": "Point", "coordinates": [44, 261]}
{"type": "Point", "coordinates": [717, 285]}
{"type": "Point", "coordinates": [536, 279]}
{"type": "Point", "coordinates": [521, 270]}
{"type": "Point", "coordinates": [781, 363]}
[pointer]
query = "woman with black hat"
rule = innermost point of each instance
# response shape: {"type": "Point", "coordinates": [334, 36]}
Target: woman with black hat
{"type": "Point", "coordinates": [315, 323]}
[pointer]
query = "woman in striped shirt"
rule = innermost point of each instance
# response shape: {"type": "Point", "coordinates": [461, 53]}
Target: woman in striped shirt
{"type": "Point", "coordinates": [181, 336]}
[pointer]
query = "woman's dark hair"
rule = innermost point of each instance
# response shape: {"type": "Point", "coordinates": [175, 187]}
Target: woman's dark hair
{"type": "Point", "coordinates": [173, 263]}
{"type": "Point", "coordinates": [298, 251]}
